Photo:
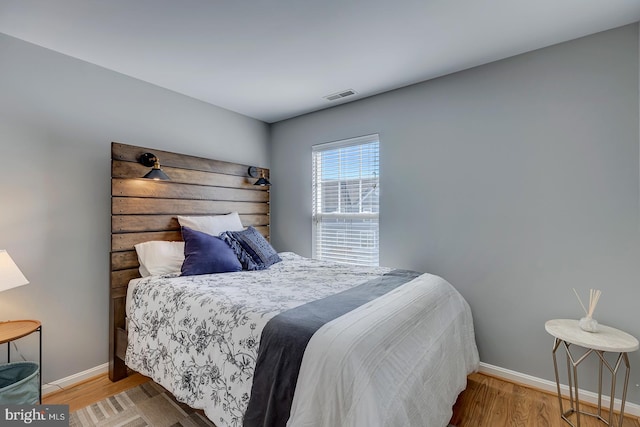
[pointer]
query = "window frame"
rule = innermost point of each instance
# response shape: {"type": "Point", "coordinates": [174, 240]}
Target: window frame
{"type": "Point", "coordinates": [316, 218]}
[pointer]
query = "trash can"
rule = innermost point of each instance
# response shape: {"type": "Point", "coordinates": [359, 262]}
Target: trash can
{"type": "Point", "coordinates": [19, 383]}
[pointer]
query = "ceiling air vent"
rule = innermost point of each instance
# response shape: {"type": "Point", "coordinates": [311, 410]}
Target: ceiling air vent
{"type": "Point", "coordinates": [340, 95]}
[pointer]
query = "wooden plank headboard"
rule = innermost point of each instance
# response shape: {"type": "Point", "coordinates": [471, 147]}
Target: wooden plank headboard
{"type": "Point", "coordinates": [143, 210]}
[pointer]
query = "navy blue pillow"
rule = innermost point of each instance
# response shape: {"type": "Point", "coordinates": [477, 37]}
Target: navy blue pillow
{"type": "Point", "coordinates": [251, 248]}
{"type": "Point", "coordinates": [206, 254]}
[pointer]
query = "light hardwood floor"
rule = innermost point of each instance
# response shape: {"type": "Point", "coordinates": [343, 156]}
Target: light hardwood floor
{"type": "Point", "coordinates": [492, 402]}
{"type": "Point", "coordinates": [91, 391]}
{"type": "Point", "coordinates": [487, 402]}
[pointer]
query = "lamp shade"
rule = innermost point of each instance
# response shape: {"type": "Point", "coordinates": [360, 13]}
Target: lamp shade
{"type": "Point", "coordinates": [262, 181]}
{"type": "Point", "coordinates": [10, 274]}
{"type": "Point", "coordinates": [150, 159]}
{"type": "Point", "coordinates": [157, 174]}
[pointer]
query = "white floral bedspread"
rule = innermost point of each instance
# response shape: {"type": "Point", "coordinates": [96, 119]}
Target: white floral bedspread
{"type": "Point", "coordinates": [198, 336]}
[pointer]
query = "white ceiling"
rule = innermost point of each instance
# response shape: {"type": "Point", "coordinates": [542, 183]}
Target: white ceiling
{"type": "Point", "coordinates": [276, 59]}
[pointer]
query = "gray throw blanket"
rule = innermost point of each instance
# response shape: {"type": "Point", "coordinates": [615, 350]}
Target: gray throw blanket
{"type": "Point", "coordinates": [285, 337]}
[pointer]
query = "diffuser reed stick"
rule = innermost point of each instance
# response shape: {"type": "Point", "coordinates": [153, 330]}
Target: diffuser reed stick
{"type": "Point", "coordinates": [580, 301]}
{"type": "Point", "coordinates": [594, 296]}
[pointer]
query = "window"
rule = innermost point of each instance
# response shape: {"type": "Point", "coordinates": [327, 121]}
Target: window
{"type": "Point", "coordinates": [346, 189]}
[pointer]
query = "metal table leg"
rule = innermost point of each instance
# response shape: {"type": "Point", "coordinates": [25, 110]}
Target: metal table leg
{"type": "Point", "coordinates": [572, 378]}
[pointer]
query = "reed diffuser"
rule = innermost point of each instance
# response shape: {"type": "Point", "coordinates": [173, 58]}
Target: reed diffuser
{"type": "Point", "coordinates": [588, 323]}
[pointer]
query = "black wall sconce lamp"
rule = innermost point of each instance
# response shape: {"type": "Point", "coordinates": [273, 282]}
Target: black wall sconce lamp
{"type": "Point", "coordinates": [150, 160]}
{"type": "Point", "coordinates": [262, 181]}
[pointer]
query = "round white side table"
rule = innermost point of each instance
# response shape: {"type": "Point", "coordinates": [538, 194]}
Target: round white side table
{"type": "Point", "coordinates": [607, 339]}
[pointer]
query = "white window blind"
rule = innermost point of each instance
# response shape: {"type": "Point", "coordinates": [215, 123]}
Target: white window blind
{"type": "Point", "coordinates": [346, 189]}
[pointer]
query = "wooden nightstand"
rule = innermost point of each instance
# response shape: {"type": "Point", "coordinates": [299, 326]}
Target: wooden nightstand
{"type": "Point", "coordinates": [567, 332]}
{"type": "Point", "coordinates": [15, 329]}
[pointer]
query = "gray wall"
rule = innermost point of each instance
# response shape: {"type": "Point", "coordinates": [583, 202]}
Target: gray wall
{"type": "Point", "coordinates": [58, 117]}
{"type": "Point", "coordinates": [515, 181]}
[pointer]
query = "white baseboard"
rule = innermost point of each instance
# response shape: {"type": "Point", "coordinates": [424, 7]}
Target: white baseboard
{"type": "Point", "coordinates": [550, 386]}
{"type": "Point", "coordinates": [74, 379]}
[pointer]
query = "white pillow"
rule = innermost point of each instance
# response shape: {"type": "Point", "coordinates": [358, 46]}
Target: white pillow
{"type": "Point", "coordinates": [158, 257]}
{"type": "Point", "coordinates": [213, 225]}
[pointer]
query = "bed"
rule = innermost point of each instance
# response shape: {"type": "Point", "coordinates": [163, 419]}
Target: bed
{"type": "Point", "coordinates": [302, 343]}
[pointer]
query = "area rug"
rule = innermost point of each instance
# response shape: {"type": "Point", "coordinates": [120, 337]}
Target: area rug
{"type": "Point", "coordinates": [145, 405]}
